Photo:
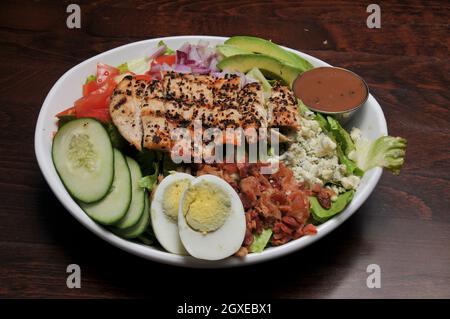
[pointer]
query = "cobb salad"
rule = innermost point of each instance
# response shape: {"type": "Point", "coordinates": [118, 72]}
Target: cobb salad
{"type": "Point", "coordinates": [128, 150]}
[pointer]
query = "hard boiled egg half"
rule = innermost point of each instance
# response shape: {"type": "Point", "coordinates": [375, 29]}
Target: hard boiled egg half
{"type": "Point", "coordinates": [164, 211]}
{"type": "Point", "coordinates": [211, 219]}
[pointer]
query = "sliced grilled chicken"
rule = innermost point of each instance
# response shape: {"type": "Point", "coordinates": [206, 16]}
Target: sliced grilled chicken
{"type": "Point", "coordinates": [179, 112]}
{"type": "Point", "coordinates": [206, 116]}
{"type": "Point", "coordinates": [156, 128]}
{"type": "Point", "coordinates": [251, 106]}
{"type": "Point", "coordinates": [147, 113]}
{"type": "Point", "coordinates": [188, 88]}
{"type": "Point", "coordinates": [226, 90]}
{"type": "Point", "coordinates": [125, 109]}
{"type": "Point", "coordinates": [282, 108]}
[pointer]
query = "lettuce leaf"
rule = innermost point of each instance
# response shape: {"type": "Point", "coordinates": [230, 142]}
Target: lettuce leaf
{"type": "Point", "coordinates": [90, 78]}
{"type": "Point", "coordinates": [168, 50]}
{"type": "Point", "coordinates": [260, 241]}
{"type": "Point", "coordinates": [341, 135]}
{"type": "Point", "coordinates": [123, 68]}
{"type": "Point", "coordinates": [148, 182]}
{"type": "Point", "coordinates": [256, 74]}
{"type": "Point", "coordinates": [386, 151]}
{"type": "Point", "coordinates": [139, 66]}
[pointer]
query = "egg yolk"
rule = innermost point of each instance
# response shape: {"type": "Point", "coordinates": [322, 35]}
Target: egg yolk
{"type": "Point", "coordinates": [172, 197]}
{"type": "Point", "coordinates": [206, 207]}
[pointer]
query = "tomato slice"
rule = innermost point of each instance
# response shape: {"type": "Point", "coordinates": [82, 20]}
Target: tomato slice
{"type": "Point", "coordinates": [104, 72]}
{"type": "Point", "coordinates": [97, 102]}
{"type": "Point", "coordinates": [107, 87]}
{"type": "Point", "coordinates": [99, 114]}
{"type": "Point", "coordinates": [90, 87]}
{"type": "Point", "coordinates": [69, 111]}
{"type": "Point", "coordinates": [145, 77]}
{"type": "Point", "coordinates": [168, 59]}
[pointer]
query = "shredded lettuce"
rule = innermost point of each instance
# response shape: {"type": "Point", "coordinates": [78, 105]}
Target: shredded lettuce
{"type": "Point", "coordinates": [341, 135]}
{"type": "Point", "coordinates": [386, 151]}
{"type": "Point", "coordinates": [304, 111]}
{"type": "Point", "coordinates": [139, 66]}
{"type": "Point", "coordinates": [148, 182]}
{"type": "Point", "coordinates": [256, 74]}
{"type": "Point", "coordinates": [123, 68]}
{"type": "Point", "coordinates": [90, 78]}
{"type": "Point", "coordinates": [350, 165]}
{"type": "Point", "coordinates": [343, 141]}
{"type": "Point", "coordinates": [168, 50]}
{"type": "Point", "coordinates": [322, 122]}
{"type": "Point", "coordinates": [260, 241]}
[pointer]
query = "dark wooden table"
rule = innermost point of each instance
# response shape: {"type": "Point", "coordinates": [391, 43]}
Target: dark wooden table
{"type": "Point", "coordinates": [404, 226]}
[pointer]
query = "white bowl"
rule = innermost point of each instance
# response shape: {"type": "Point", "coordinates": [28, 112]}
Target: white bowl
{"type": "Point", "coordinates": [68, 88]}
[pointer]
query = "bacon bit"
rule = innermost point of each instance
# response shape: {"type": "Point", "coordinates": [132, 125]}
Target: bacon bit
{"type": "Point", "coordinates": [242, 252]}
{"type": "Point", "coordinates": [288, 220]}
{"type": "Point", "coordinates": [324, 197]}
{"type": "Point", "coordinates": [275, 201]}
{"type": "Point", "coordinates": [250, 188]}
{"type": "Point", "coordinates": [316, 188]}
{"type": "Point", "coordinates": [309, 229]}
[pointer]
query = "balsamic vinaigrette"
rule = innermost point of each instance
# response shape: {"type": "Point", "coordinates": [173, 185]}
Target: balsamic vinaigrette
{"type": "Point", "coordinates": [330, 90]}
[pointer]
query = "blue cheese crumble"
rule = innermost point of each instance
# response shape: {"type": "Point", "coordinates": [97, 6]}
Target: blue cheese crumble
{"type": "Point", "coordinates": [313, 158]}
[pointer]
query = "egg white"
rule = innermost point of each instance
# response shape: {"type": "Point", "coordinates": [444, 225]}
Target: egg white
{"type": "Point", "coordinates": [165, 228]}
{"type": "Point", "coordinates": [222, 242]}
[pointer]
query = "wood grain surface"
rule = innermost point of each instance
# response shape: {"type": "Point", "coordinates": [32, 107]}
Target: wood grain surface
{"type": "Point", "coordinates": [404, 226]}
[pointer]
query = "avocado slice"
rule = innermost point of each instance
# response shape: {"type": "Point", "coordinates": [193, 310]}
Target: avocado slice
{"type": "Point", "coordinates": [269, 66]}
{"type": "Point", "coordinates": [229, 50]}
{"type": "Point", "coordinates": [258, 45]}
{"type": "Point", "coordinates": [321, 214]}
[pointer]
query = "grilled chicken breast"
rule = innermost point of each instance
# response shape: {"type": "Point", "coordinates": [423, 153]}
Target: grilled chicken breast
{"type": "Point", "coordinates": [155, 123]}
{"type": "Point", "coordinates": [125, 109]}
{"type": "Point", "coordinates": [147, 113]}
{"type": "Point", "coordinates": [282, 108]}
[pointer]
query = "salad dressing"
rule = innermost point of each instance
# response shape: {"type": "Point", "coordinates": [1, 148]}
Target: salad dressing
{"type": "Point", "coordinates": [330, 90]}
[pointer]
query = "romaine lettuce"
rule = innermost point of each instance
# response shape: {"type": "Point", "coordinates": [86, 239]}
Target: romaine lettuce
{"type": "Point", "coordinates": [386, 151]}
{"type": "Point", "coordinates": [260, 241]}
{"type": "Point", "coordinates": [123, 68]}
{"type": "Point", "coordinates": [148, 182]}
{"type": "Point", "coordinates": [257, 75]}
{"type": "Point", "coordinates": [341, 135]}
{"type": "Point", "coordinates": [90, 78]}
{"type": "Point", "coordinates": [168, 50]}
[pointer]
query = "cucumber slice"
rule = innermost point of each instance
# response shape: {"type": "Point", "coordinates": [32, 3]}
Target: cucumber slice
{"type": "Point", "coordinates": [139, 228]}
{"type": "Point", "coordinates": [137, 204]}
{"type": "Point", "coordinates": [113, 206]}
{"type": "Point", "coordinates": [83, 157]}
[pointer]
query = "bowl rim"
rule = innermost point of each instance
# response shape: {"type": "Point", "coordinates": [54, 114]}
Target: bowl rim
{"type": "Point", "coordinates": [152, 253]}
